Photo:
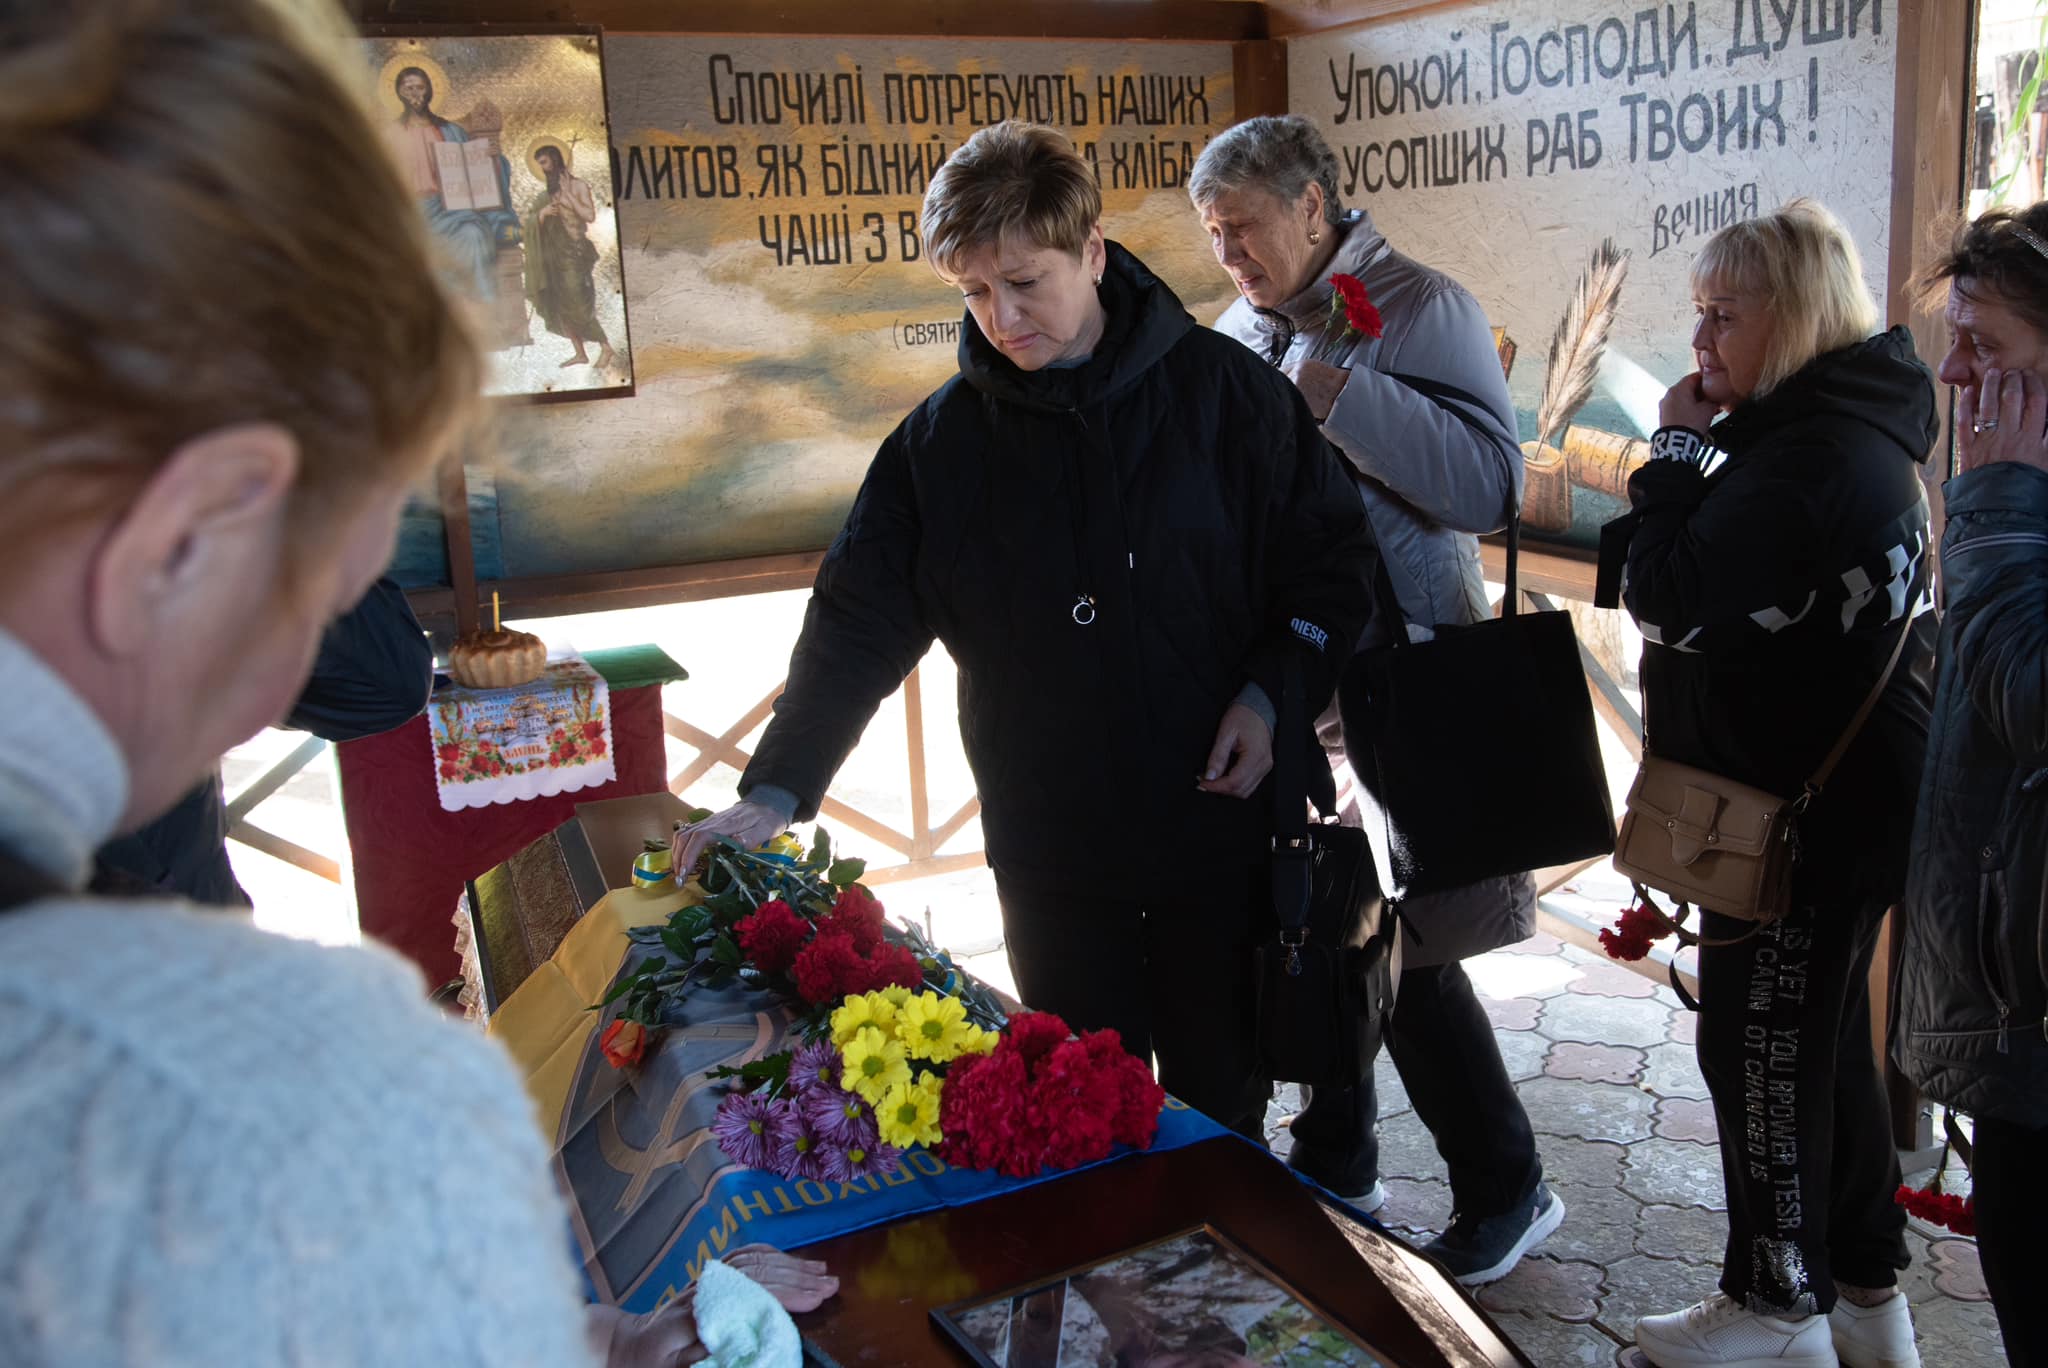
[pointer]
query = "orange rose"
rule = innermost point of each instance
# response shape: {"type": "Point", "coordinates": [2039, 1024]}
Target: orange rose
{"type": "Point", "coordinates": [623, 1042]}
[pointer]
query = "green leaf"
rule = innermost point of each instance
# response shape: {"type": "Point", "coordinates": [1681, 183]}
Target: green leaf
{"type": "Point", "coordinates": [677, 943]}
{"type": "Point", "coordinates": [821, 848]}
{"type": "Point", "coordinates": [618, 989]}
{"type": "Point", "coordinates": [845, 873]}
{"type": "Point", "coordinates": [725, 951]}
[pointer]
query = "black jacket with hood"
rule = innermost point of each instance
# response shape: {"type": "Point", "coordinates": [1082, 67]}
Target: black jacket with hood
{"type": "Point", "coordinates": [1972, 1021]}
{"type": "Point", "coordinates": [1173, 478]}
{"type": "Point", "coordinates": [1771, 591]}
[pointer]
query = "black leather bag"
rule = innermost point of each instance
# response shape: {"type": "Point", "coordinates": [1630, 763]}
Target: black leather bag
{"type": "Point", "coordinates": [1326, 977]}
{"type": "Point", "coordinates": [1476, 752]}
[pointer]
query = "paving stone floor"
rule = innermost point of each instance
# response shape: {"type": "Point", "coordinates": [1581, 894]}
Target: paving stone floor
{"type": "Point", "coordinates": [1603, 1060]}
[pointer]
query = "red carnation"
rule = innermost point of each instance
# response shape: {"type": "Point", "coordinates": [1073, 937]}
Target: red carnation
{"type": "Point", "coordinates": [1939, 1208]}
{"type": "Point", "coordinates": [891, 964]}
{"type": "Point", "coordinates": [1138, 1095]}
{"type": "Point", "coordinates": [856, 914]}
{"type": "Point", "coordinates": [1631, 937]}
{"type": "Point", "coordinates": [1073, 1105]}
{"type": "Point", "coordinates": [772, 935]}
{"type": "Point", "coordinates": [623, 1043]}
{"type": "Point", "coordinates": [829, 968]}
{"type": "Point", "coordinates": [1359, 312]}
{"type": "Point", "coordinates": [1034, 1034]}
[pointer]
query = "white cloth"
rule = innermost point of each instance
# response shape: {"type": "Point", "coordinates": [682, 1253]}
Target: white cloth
{"type": "Point", "coordinates": [226, 1147]}
{"type": "Point", "coordinates": [553, 735]}
{"type": "Point", "coordinates": [740, 1322]}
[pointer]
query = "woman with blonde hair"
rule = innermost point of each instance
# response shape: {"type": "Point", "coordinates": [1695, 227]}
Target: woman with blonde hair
{"type": "Point", "coordinates": [1776, 560]}
{"type": "Point", "coordinates": [1124, 528]}
{"type": "Point", "coordinates": [223, 1146]}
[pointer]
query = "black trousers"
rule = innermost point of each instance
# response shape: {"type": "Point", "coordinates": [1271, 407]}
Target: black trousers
{"type": "Point", "coordinates": [1806, 1151]}
{"type": "Point", "coordinates": [2011, 1190]}
{"type": "Point", "coordinates": [1172, 977]}
{"type": "Point", "coordinates": [1443, 1047]}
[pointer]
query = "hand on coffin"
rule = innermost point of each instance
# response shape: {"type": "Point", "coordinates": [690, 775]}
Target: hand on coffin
{"type": "Point", "coordinates": [668, 1335]}
{"type": "Point", "coordinates": [747, 823]}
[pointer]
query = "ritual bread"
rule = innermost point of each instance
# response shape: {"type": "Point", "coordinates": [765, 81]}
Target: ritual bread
{"type": "Point", "coordinates": [496, 660]}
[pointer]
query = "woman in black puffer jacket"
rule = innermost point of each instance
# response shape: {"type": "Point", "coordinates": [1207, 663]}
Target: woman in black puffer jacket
{"type": "Point", "coordinates": [1972, 1021]}
{"type": "Point", "coordinates": [1773, 561]}
{"type": "Point", "coordinates": [1123, 527]}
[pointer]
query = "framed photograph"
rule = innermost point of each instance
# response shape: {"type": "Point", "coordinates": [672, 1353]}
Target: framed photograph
{"type": "Point", "coordinates": [503, 138]}
{"type": "Point", "coordinates": [1193, 1297]}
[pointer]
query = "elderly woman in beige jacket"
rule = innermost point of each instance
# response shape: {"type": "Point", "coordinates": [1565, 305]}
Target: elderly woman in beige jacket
{"type": "Point", "coordinates": [1422, 415]}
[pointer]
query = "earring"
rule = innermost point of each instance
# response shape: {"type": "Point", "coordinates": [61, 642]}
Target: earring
{"type": "Point", "coordinates": [1314, 237]}
{"type": "Point", "coordinates": [1098, 280]}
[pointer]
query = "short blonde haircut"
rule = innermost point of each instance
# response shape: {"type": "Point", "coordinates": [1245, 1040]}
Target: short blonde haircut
{"type": "Point", "coordinates": [1805, 266]}
{"type": "Point", "coordinates": [203, 228]}
{"type": "Point", "coordinates": [1011, 182]}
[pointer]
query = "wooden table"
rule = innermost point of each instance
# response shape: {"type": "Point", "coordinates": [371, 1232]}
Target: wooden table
{"type": "Point", "coordinates": [891, 1277]}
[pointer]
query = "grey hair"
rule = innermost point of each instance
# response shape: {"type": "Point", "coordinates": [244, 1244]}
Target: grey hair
{"type": "Point", "coordinates": [1277, 153]}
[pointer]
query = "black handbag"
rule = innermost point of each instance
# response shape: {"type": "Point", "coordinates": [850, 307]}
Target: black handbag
{"type": "Point", "coordinates": [1475, 752]}
{"type": "Point", "coordinates": [1326, 977]}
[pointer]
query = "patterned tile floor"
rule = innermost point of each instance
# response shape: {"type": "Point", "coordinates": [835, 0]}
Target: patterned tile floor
{"type": "Point", "coordinates": [1604, 1063]}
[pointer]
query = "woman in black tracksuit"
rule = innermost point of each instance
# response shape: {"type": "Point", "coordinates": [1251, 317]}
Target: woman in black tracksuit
{"type": "Point", "coordinates": [1773, 559]}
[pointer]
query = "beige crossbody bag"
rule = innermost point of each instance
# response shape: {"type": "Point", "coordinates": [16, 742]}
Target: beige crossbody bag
{"type": "Point", "coordinates": [1709, 841]}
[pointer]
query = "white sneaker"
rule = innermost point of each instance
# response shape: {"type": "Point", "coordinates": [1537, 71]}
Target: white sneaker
{"type": "Point", "coordinates": [1720, 1333]}
{"type": "Point", "coordinates": [1878, 1336]}
{"type": "Point", "coordinates": [1370, 1200]}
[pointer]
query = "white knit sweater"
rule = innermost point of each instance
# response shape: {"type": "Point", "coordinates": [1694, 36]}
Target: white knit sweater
{"type": "Point", "coordinates": [222, 1147]}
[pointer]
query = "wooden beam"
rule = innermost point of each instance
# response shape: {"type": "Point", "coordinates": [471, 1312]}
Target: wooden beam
{"type": "Point", "coordinates": [291, 852]}
{"type": "Point", "coordinates": [1226, 21]}
{"type": "Point", "coordinates": [715, 750]}
{"type": "Point", "coordinates": [274, 778]}
{"type": "Point", "coordinates": [461, 595]}
{"type": "Point", "coordinates": [1931, 118]}
{"type": "Point", "coordinates": [1259, 71]}
{"type": "Point", "coordinates": [1288, 18]}
{"type": "Point", "coordinates": [561, 595]}
{"type": "Point", "coordinates": [925, 868]}
{"type": "Point", "coordinates": [1566, 570]}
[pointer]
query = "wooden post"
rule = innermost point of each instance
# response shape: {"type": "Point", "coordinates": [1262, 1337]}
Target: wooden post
{"type": "Point", "coordinates": [454, 490]}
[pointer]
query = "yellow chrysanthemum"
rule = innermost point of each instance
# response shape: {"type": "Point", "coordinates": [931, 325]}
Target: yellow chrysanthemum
{"type": "Point", "coordinates": [874, 1064]}
{"type": "Point", "coordinates": [897, 994]}
{"type": "Point", "coordinates": [975, 1041]}
{"type": "Point", "coordinates": [862, 1009]}
{"type": "Point", "coordinates": [933, 1027]}
{"type": "Point", "coordinates": [908, 1113]}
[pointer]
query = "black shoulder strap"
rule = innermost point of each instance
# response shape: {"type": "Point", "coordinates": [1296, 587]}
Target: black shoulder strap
{"type": "Point", "coordinates": [22, 883]}
{"type": "Point", "coordinates": [1300, 776]}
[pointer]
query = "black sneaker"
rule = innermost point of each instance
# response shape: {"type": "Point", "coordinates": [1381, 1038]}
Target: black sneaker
{"type": "Point", "coordinates": [1481, 1249]}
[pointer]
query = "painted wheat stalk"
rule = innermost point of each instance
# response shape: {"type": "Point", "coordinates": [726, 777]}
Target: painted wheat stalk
{"type": "Point", "coordinates": [1580, 338]}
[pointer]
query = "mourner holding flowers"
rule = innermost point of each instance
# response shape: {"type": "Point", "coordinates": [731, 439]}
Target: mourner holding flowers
{"type": "Point", "coordinates": [1397, 363]}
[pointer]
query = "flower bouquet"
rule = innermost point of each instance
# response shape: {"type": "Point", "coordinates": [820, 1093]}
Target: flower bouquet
{"type": "Point", "coordinates": [900, 1048]}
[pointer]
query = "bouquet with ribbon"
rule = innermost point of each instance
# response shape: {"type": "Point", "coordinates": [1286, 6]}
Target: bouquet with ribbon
{"type": "Point", "coordinates": [899, 1047]}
